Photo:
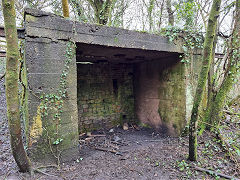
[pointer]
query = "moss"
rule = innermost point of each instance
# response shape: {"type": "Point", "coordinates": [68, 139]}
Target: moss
{"type": "Point", "coordinates": [25, 100]}
{"type": "Point", "coordinates": [145, 125]}
{"type": "Point", "coordinates": [142, 31]}
{"type": "Point", "coordinates": [65, 8]}
{"type": "Point", "coordinates": [36, 129]}
{"type": "Point", "coordinates": [207, 59]}
{"type": "Point", "coordinates": [172, 97]}
{"type": "Point", "coordinates": [12, 90]}
{"type": "Point", "coordinates": [116, 40]}
{"type": "Point", "coordinates": [30, 18]}
{"type": "Point", "coordinates": [231, 73]}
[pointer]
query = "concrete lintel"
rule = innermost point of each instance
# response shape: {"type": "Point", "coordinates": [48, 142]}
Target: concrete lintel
{"type": "Point", "coordinates": [20, 32]}
{"type": "Point", "coordinates": [47, 25]}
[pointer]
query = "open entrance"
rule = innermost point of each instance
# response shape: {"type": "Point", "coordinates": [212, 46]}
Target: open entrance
{"type": "Point", "coordinates": [119, 85]}
{"type": "Point", "coordinates": [117, 76]}
{"type": "Point", "coordinates": [105, 88]}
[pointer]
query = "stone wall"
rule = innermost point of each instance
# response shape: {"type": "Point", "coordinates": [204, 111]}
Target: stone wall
{"type": "Point", "coordinates": [105, 95]}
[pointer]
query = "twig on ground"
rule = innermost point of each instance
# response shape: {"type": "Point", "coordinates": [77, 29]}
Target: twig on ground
{"type": "Point", "coordinates": [39, 171]}
{"type": "Point", "coordinates": [97, 135]}
{"type": "Point", "coordinates": [214, 172]}
{"type": "Point", "coordinates": [47, 166]}
{"type": "Point", "coordinates": [230, 113]}
{"type": "Point", "coordinates": [114, 146]}
{"type": "Point", "coordinates": [82, 134]}
{"type": "Point", "coordinates": [153, 140]}
{"type": "Point", "coordinates": [73, 176]}
{"type": "Point", "coordinates": [2, 76]}
{"type": "Point", "coordinates": [119, 143]}
{"type": "Point", "coordinates": [108, 150]}
{"type": "Point", "coordinates": [64, 178]}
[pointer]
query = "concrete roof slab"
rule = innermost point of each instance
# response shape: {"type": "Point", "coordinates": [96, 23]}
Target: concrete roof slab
{"type": "Point", "coordinates": [41, 24]}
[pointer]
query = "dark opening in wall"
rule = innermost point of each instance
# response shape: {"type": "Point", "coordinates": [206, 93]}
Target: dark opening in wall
{"type": "Point", "coordinates": [104, 90]}
{"type": "Point", "coordinates": [113, 90]}
{"type": "Point", "coordinates": [105, 95]}
{"type": "Point", "coordinates": [115, 87]}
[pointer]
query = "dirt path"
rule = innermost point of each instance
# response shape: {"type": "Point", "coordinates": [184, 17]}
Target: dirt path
{"type": "Point", "coordinates": [143, 154]}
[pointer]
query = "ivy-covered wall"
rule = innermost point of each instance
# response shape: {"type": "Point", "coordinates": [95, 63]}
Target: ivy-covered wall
{"type": "Point", "coordinates": [51, 96]}
{"type": "Point", "coordinates": [105, 95]}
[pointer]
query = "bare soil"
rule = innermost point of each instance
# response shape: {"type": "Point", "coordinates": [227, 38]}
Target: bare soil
{"type": "Point", "coordinates": [124, 154]}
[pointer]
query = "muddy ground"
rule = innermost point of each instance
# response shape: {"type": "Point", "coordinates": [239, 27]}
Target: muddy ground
{"type": "Point", "coordinates": [128, 154]}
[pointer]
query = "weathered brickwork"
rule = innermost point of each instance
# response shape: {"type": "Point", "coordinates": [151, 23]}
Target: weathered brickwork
{"type": "Point", "coordinates": [105, 95]}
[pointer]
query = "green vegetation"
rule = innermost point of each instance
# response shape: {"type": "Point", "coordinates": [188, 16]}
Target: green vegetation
{"type": "Point", "coordinates": [12, 76]}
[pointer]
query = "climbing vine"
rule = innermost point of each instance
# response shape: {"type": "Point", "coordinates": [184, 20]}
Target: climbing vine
{"type": "Point", "coordinates": [51, 105]}
{"type": "Point", "coordinates": [190, 40]}
{"type": "Point", "coordinates": [23, 85]}
{"type": "Point", "coordinates": [191, 43]}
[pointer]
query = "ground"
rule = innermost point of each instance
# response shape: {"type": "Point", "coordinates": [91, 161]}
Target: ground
{"type": "Point", "coordinates": [130, 154]}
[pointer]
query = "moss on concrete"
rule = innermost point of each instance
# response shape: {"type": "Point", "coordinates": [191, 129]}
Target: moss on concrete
{"type": "Point", "coordinates": [172, 97]}
{"type": "Point", "coordinates": [36, 127]}
{"type": "Point", "coordinates": [25, 94]}
{"type": "Point", "coordinates": [30, 18]}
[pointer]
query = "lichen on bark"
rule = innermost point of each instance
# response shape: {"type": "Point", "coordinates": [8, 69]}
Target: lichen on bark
{"type": "Point", "coordinates": [65, 8]}
{"type": "Point", "coordinates": [207, 59]}
{"type": "Point", "coordinates": [12, 75]}
{"type": "Point", "coordinates": [215, 112]}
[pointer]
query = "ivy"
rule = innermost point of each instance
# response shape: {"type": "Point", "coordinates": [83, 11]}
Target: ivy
{"type": "Point", "coordinates": [190, 40]}
{"type": "Point", "coordinates": [186, 11]}
{"type": "Point", "coordinates": [51, 104]}
{"type": "Point", "coordinates": [57, 141]}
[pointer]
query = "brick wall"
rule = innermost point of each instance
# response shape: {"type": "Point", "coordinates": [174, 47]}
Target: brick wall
{"type": "Point", "coordinates": [105, 95]}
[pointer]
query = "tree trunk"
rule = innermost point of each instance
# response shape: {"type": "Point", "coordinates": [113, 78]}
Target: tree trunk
{"type": "Point", "coordinates": [65, 8]}
{"type": "Point", "coordinates": [101, 10]}
{"type": "Point", "coordinates": [161, 14]}
{"type": "Point", "coordinates": [232, 69]}
{"type": "Point", "coordinates": [206, 62]}
{"type": "Point", "coordinates": [210, 89]}
{"type": "Point", "coordinates": [170, 13]}
{"type": "Point", "coordinates": [12, 90]}
{"type": "Point", "coordinates": [150, 19]}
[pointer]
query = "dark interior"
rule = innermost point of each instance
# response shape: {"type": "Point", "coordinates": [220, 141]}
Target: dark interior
{"type": "Point", "coordinates": [109, 80]}
{"type": "Point", "coordinates": [98, 53]}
